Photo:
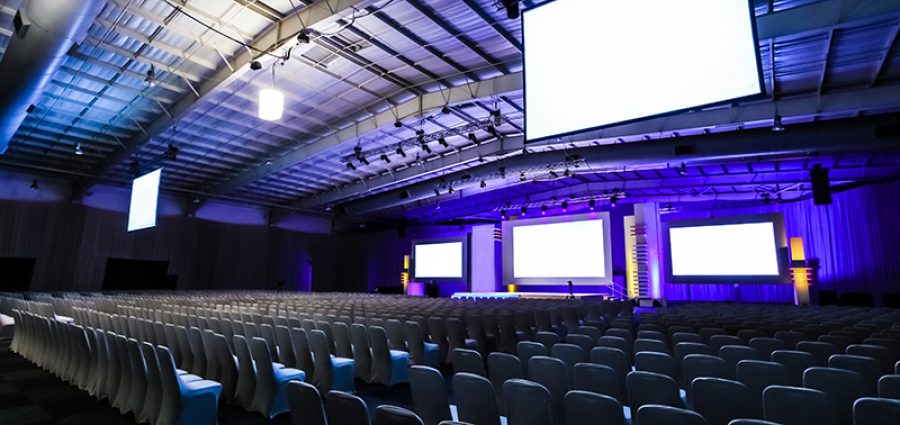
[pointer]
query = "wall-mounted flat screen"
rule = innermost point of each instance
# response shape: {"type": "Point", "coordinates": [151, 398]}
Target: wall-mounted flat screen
{"type": "Point", "coordinates": [439, 260]}
{"type": "Point", "coordinates": [592, 63]}
{"type": "Point", "coordinates": [144, 199]}
{"type": "Point", "coordinates": [739, 249]}
{"type": "Point", "coordinates": [555, 250]}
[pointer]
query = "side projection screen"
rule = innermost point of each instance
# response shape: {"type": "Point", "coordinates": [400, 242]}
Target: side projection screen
{"type": "Point", "coordinates": [439, 260]}
{"type": "Point", "coordinates": [750, 249]}
{"type": "Point", "coordinates": [596, 63]}
{"type": "Point", "coordinates": [144, 199]}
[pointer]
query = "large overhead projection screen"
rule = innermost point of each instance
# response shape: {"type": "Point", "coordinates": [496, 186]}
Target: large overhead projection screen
{"type": "Point", "coordinates": [144, 199]}
{"type": "Point", "coordinates": [593, 63]}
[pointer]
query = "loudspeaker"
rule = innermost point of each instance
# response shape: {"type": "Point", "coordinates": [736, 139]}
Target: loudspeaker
{"type": "Point", "coordinates": [821, 186]}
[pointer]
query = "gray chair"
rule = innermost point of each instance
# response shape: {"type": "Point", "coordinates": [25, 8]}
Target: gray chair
{"type": "Point", "coordinates": [758, 375]}
{"type": "Point", "coordinates": [648, 361]}
{"type": "Point", "coordinates": [570, 354]}
{"type": "Point", "coordinates": [751, 422]}
{"type": "Point", "coordinates": [332, 373]}
{"type": "Point", "coordinates": [389, 367]}
{"type": "Point", "coordinates": [884, 356]}
{"type": "Point", "coordinates": [303, 352]}
{"type": "Point", "coordinates": [585, 342]}
{"type": "Point", "coordinates": [393, 415]}
{"type": "Point", "coordinates": [609, 341]}
{"type": "Point", "coordinates": [720, 400]}
{"type": "Point", "coordinates": [617, 360]}
{"type": "Point", "coordinates": [790, 338]}
{"type": "Point", "coordinates": [766, 346]}
{"type": "Point", "coordinates": [185, 401]}
{"type": "Point", "coordinates": [503, 367]}
{"type": "Point", "coordinates": [651, 388]}
{"type": "Point", "coordinates": [876, 411]}
{"type": "Point", "coordinates": [270, 397]}
{"type": "Point", "coordinates": [650, 345]}
{"type": "Point", "coordinates": [346, 409]}
{"type": "Point", "coordinates": [305, 403]}
{"type": "Point", "coordinates": [843, 386]}
{"type": "Point", "coordinates": [547, 339]}
{"type": "Point", "coordinates": [597, 378]}
{"type": "Point", "coordinates": [820, 350]}
{"type": "Point", "coordinates": [552, 374]}
{"type": "Point", "coordinates": [528, 349]}
{"type": "Point", "coordinates": [286, 354]}
{"type": "Point", "coordinates": [138, 391]}
{"type": "Point", "coordinates": [679, 337]}
{"type": "Point", "coordinates": [362, 352]}
{"type": "Point", "coordinates": [246, 378]}
{"type": "Point", "coordinates": [429, 394]}
{"type": "Point", "coordinates": [682, 350]}
{"type": "Point", "coordinates": [395, 334]}
{"type": "Point", "coordinates": [438, 334]}
{"type": "Point", "coordinates": [589, 408]}
{"type": "Point", "coordinates": [420, 352]}
{"type": "Point", "coordinates": [798, 406]}
{"type": "Point", "coordinates": [468, 361]}
{"type": "Point", "coordinates": [456, 336]}
{"type": "Point", "coordinates": [796, 363]}
{"type": "Point", "coordinates": [342, 346]}
{"type": "Point", "coordinates": [199, 351]}
{"type": "Point", "coordinates": [867, 367]}
{"type": "Point", "coordinates": [732, 354]}
{"type": "Point", "coordinates": [716, 342]}
{"type": "Point", "coordinates": [889, 387]}
{"type": "Point", "coordinates": [528, 403]}
{"type": "Point", "coordinates": [702, 365]}
{"type": "Point", "coordinates": [652, 414]}
{"type": "Point", "coordinates": [475, 401]}
{"type": "Point", "coordinates": [149, 412]}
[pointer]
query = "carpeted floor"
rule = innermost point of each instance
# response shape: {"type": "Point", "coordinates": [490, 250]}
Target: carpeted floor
{"type": "Point", "coordinates": [31, 396]}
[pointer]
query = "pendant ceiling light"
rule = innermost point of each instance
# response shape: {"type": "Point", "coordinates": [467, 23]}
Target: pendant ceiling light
{"type": "Point", "coordinates": [271, 102]}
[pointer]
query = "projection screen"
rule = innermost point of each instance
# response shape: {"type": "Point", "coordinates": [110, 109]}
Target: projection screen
{"type": "Point", "coordinates": [144, 199]}
{"type": "Point", "coordinates": [706, 251]}
{"type": "Point", "coordinates": [557, 249]}
{"type": "Point", "coordinates": [439, 260]}
{"type": "Point", "coordinates": [592, 63]}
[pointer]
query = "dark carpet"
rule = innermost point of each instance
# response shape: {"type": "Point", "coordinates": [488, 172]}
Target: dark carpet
{"type": "Point", "coordinates": [30, 395]}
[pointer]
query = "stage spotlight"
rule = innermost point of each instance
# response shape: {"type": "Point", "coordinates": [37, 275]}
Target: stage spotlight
{"type": "Point", "coordinates": [613, 200]}
{"type": "Point", "coordinates": [497, 119]}
{"type": "Point", "coordinates": [450, 190]}
{"type": "Point", "coordinates": [502, 171]}
{"type": "Point", "coordinates": [78, 150]}
{"type": "Point", "coordinates": [483, 184]}
{"type": "Point", "coordinates": [522, 177]}
{"type": "Point", "coordinates": [385, 158]}
{"type": "Point", "coordinates": [351, 166]}
{"type": "Point", "coordinates": [472, 138]}
{"type": "Point", "coordinates": [303, 37]}
{"type": "Point", "coordinates": [34, 185]}
{"type": "Point", "coordinates": [777, 125]}
{"type": "Point", "coordinates": [682, 170]}
{"type": "Point", "coordinates": [425, 147]}
{"type": "Point", "coordinates": [255, 65]}
{"type": "Point", "coordinates": [512, 8]}
{"type": "Point", "coordinates": [568, 173]}
{"type": "Point", "coordinates": [543, 210]}
{"type": "Point", "coordinates": [443, 142]}
{"type": "Point", "coordinates": [398, 124]}
{"type": "Point", "coordinates": [437, 192]}
{"type": "Point", "coordinates": [400, 151]}
{"type": "Point", "coordinates": [554, 174]}
{"type": "Point", "coordinates": [363, 160]}
{"type": "Point", "coordinates": [150, 80]}
{"type": "Point", "coordinates": [565, 206]}
{"type": "Point", "coordinates": [524, 210]}
{"type": "Point", "coordinates": [592, 204]}
{"type": "Point", "coordinates": [445, 110]}
{"type": "Point", "coordinates": [503, 214]}
{"type": "Point", "coordinates": [493, 131]}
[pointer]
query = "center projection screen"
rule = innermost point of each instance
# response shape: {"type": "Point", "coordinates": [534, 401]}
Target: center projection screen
{"type": "Point", "coordinates": [593, 63]}
{"type": "Point", "coordinates": [734, 249]}
{"type": "Point", "coordinates": [548, 251]}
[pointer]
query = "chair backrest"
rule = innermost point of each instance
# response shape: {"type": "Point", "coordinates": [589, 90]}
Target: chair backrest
{"type": "Point", "coordinates": [757, 375]}
{"type": "Point", "coordinates": [820, 350]}
{"type": "Point", "coordinates": [889, 386]}
{"type": "Point", "coordinates": [415, 342]}
{"type": "Point", "coordinates": [170, 402]}
{"type": "Point", "coordinates": [766, 346]}
{"type": "Point", "coordinates": [839, 341]}
{"type": "Point", "coordinates": [553, 374]}
{"type": "Point", "coordinates": [139, 377]}
{"type": "Point", "coordinates": [649, 361]}
{"type": "Point", "coordinates": [469, 361]}
{"type": "Point", "coordinates": [796, 362]}
{"type": "Point", "coordinates": [652, 345]}
{"type": "Point", "coordinates": [782, 404]}
{"type": "Point", "coordinates": [246, 379]}
{"type": "Point", "coordinates": [617, 360]}
{"type": "Point", "coordinates": [342, 345]}
{"type": "Point", "coordinates": [456, 334]}
{"type": "Point", "coordinates": [528, 403]}
{"type": "Point", "coordinates": [884, 356]}
{"type": "Point", "coordinates": [651, 388]}
{"type": "Point", "coordinates": [503, 367]}
{"type": "Point", "coordinates": [875, 411]}
{"type": "Point", "coordinates": [153, 395]}
{"type": "Point", "coordinates": [611, 341]}
{"type": "Point", "coordinates": [475, 401]}
{"type": "Point", "coordinates": [591, 332]}
{"type": "Point", "coordinates": [653, 414]}
{"type": "Point", "coordinates": [286, 353]}
{"type": "Point", "coordinates": [528, 349]}
{"type": "Point", "coordinates": [720, 400]}
{"type": "Point", "coordinates": [199, 351]}
{"type": "Point", "coordinates": [600, 379]}
{"type": "Point", "coordinates": [265, 372]}
{"type": "Point", "coordinates": [547, 339]}
{"type": "Point", "coordinates": [508, 334]}
{"type": "Point", "coordinates": [790, 338]}
{"type": "Point", "coordinates": [438, 334]}
{"type": "Point", "coordinates": [393, 415]}
{"type": "Point", "coordinates": [267, 332]}
{"type": "Point", "coordinates": [602, 409]}
{"type": "Point", "coordinates": [305, 403]}
{"type": "Point", "coordinates": [346, 409]}
{"type": "Point", "coordinates": [732, 354]}
{"type": "Point", "coordinates": [318, 343]}
{"type": "Point", "coordinates": [570, 354]}
{"type": "Point", "coordinates": [396, 335]}
{"type": "Point", "coordinates": [679, 337]}
{"type": "Point", "coordinates": [429, 394]}
{"type": "Point", "coordinates": [702, 365]}
{"type": "Point", "coordinates": [843, 386]}
{"type": "Point", "coordinates": [362, 353]}
{"type": "Point", "coordinates": [748, 334]}
{"type": "Point", "coordinates": [867, 367]}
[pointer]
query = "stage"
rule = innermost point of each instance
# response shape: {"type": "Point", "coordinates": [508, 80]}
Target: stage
{"type": "Point", "coordinates": [525, 295]}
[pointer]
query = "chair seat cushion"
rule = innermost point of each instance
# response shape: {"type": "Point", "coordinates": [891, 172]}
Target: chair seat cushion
{"type": "Point", "coordinates": [337, 362]}
{"type": "Point", "coordinates": [202, 386]}
{"type": "Point", "coordinates": [287, 374]}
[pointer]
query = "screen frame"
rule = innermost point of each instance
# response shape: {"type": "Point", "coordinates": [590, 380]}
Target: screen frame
{"type": "Point", "coordinates": [440, 280]}
{"type": "Point", "coordinates": [759, 74]}
{"type": "Point", "coordinates": [509, 258]}
{"type": "Point", "coordinates": [781, 249]}
{"type": "Point", "coordinates": [128, 227]}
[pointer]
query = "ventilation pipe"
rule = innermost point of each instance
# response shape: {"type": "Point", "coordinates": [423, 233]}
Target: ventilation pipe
{"type": "Point", "coordinates": [45, 30]}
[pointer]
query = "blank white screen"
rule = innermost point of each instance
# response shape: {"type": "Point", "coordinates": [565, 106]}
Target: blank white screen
{"type": "Point", "coordinates": [439, 260]}
{"type": "Point", "coordinates": [559, 250]}
{"type": "Point", "coordinates": [725, 250]}
{"type": "Point", "coordinates": [591, 63]}
{"type": "Point", "coordinates": [144, 198]}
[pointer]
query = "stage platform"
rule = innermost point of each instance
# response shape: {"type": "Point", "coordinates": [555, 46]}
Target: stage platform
{"type": "Point", "coordinates": [523, 295]}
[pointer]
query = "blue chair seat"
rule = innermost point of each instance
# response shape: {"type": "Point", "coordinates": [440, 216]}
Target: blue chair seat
{"type": "Point", "coordinates": [432, 354]}
{"type": "Point", "coordinates": [187, 377]}
{"type": "Point", "coordinates": [342, 374]}
{"type": "Point", "coordinates": [399, 367]}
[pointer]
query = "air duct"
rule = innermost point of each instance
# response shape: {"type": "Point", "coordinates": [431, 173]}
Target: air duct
{"type": "Point", "coordinates": [45, 30]}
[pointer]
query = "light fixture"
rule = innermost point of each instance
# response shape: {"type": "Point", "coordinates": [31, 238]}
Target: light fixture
{"type": "Point", "coordinates": [363, 160]}
{"type": "Point", "coordinates": [400, 151]}
{"type": "Point", "coordinates": [443, 142]}
{"type": "Point", "coordinates": [512, 8]}
{"type": "Point", "coordinates": [493, 131]}
{"type": "Point", "coordinates": [255, 66]}
{"type": "Point", "coordinates": [524, 210]}
{"type": "Point", "coordinates": [568, 173]}
{"type": "Point", "coordinates": [613, 200]}
{"type": "Point", "coordinates": [385, 158]}
{"type": "Point", "coordinates": [425, 147]}
{"type": "Point", "coordinates": [543, 210]}
{"type": "Point", "coordinates": [483, 184]}
{"type": "Point", "coordinates": [351, 166]}
{"type": "Point", "coordinates": [150, 80]}
{"type": "Point", "coordinates": [554, 174]}
{"type": "Point", "coordinates": [398, 124]}
{"type": "Point", "coordinates": [592, 204]}
{"type": "Point", "coordinates": [472, 138]}
{"type": "Point", "coordinates": [777, 125]}
{"type": "Point", "coordinates": [78, 150]}
{"type": "Point", "coordinates": [437, 192]}
{"type": "Point", "coordinates": [497, 119]}
{"type": "Point", "coordinates": [271, 104]}
{"type": "Point", "coordinates": [34, 185]}
{"type": "Point", "coordinates": [303, 37]}
{"type": "Point", "coordinates": [522, 176]}
{"type": "Point", "coordinates": [682, 170]}
{"type": "Point", "coordinates": [445, 110]}
{"type": "Point", "coordinates": [565, 206]}
{"type": "Point", "coordinates": [503, 214]}
{"type": "Point", "coordinates": [450, 190]}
